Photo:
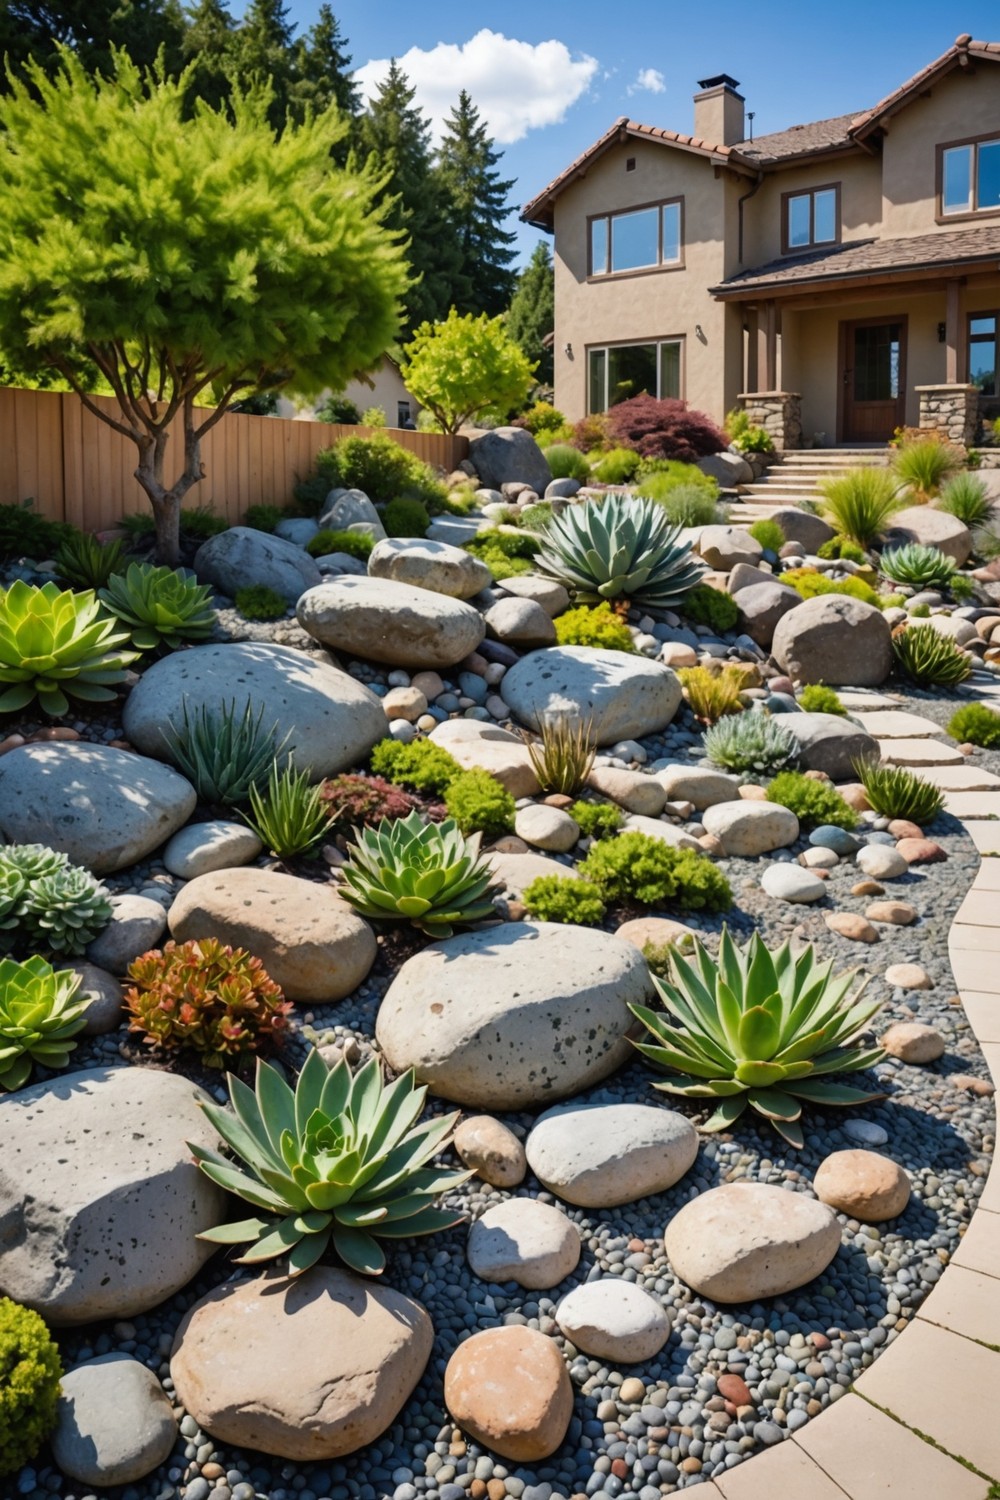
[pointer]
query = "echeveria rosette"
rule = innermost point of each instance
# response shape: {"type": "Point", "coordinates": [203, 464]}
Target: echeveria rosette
{"type": "Point", "coordinates": [340, 1160]}
{"type": "Point", "coordinates": [425, 873]}
{"type": "Point", "coordinates": [622, 547]}
{"type": "Point", "coordinates": [54, 642]}
{"type": "Point", "coordinates": [40, 1013]}
{"type": "Point", "coordinates": [48, 903]}
{"type": "Point", "coordinates": [766, 1029]}
{"type": "Point", "coordinates": [161, 606]}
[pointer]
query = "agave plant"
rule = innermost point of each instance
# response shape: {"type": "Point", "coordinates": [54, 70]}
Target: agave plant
{"type": "Point", "coordinates": [340, 1159]}
{"type": "Point", "coordinates": [768, 1029]}
{"type": "Point", "coordinates": [39, 1014]}
{"type": "Point", "coordinates": [48, 902]}
{"type": "Point", "coordinates": [426, 873]}
{"type": "Point", "coordinates": [54, 642]}
{"type": "Point", "coordinates": [751, 741]}
{"type": "Point", "coordinates": [563, 757]}
{"type": "Point", "coordinates": [928, 658]}
{"type": "Point", "coordinates": [895, 792]}
{"type": "Point", "coordinates": [162, 606]}
{"type": "Point", "coordinates": [224, 756]}
{"type": "Point", "coordinates": [623, 547]}
{"type": "Point", "coordinates": [913, 563]}
{"type": "Point", "coordinates": [86, 563]}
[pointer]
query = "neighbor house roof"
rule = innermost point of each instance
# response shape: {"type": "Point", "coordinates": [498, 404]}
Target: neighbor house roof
{"type": "Point", "coordinates": [867, 259]}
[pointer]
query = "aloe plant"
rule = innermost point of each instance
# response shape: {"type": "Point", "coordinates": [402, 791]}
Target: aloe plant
{"type": "Point", "coordinates": [162, 606]}
{"type": "Point", "coordinates": [54, 642]}
{"type": "Point", "coordinates": [426, 873]}
{"type": "Point", "coordinates": [622, 547]}
{"type": "Point", "coordinates": [768, 1030]}
{"type": "Point", "coordinates": [339, 1160]}
{"type": "Point", "coordinates": [290, 817]}
{"type": "Point", "coordinates": [913, 563]}
{"type": "Point", "coordinates": [40, 1013]}
{"type": "Point", "coordinates": [929, 658]}
{"type": "Point", "coordinates": [223, 755]}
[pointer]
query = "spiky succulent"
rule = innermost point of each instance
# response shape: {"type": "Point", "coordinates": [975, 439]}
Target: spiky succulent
{"type": "Point", "coordinates": [895, 792]}
{"type": "Point", "coordinates": [622, 547]}
{"type": "Point", "coordinates": [54, 642]}
{"type": "Point", "coordinates": [752, 741]}
{"type": "Point", "coordinates": [86, 563]}
{"type": "Point", "coordinates": [224, 755]}
{"type": "Point", "coordinates": [161, 606]}
{"type": "Point", "coordinates": [40, 1013]}
{"type": "Point", "coordinates": [45, 902]}
{"type": "Point", "coordinates": [340, 1159]}
{"type": "Point", "coordinates": [426, 873]}
{"type": "Point", "coordinates": [768, 1029]}
{"type": "Point", "coordinates": [929, 658]}
{"type": "Point", "coordinates": [913, 563]}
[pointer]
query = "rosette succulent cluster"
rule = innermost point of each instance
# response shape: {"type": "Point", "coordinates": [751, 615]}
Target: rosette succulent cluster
{"type": "Point", "coordinates": [40, 1013]}
{"type": "Point", "coordinates": [425, 873]}
{"type": "Point", "coordinates": [622, 547]}
{"type": "Point", "coordinates": [46, 902]}
{"type": "Point", "coordinates": [161, 606]}
{"type": "Point", "coordinates": [54, 642]}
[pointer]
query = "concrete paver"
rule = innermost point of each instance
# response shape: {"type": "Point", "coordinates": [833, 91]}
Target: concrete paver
{"type": "Point", "coordinates": [973, 805]}
{"type": "Point", "coordinates": [926, 752]}
{"type": "Point", "coordinates": [897, 724]}
{"type": "Point", "coordinates": [779, 1471]}
{"type": "Point", "coordinates": [975, 969]}
{"type": "Point", "coordinates": [981, 908]}
{"type": "Point", "coordinates": [966, 1302]}
{"type": "Point", "coordinates": [872, 1457]}
{"type": "Point", "coordinates": [983, 1012]}
{"type": "Point", "coordinates": [984, 834]}
{"type": "Point", "coordinates": [979, 1249]}
{"type": "Point", "coordinates": [965, 936]}
{"type": "Point", "coordinates": [963, 778]}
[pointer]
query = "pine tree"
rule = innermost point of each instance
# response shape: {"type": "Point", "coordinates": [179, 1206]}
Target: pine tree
{"type": "Point", "coordinates": [90, 28]}
{"type": "Point", "coordinates": [532, 311]}
{"type": "Point", "coordinates": [322, 68]}
{"type": "Point", "coordinates": [479, 199]}
{"type": "Point", "coordinates": [262, 49]}
{"type": "Point", "coordinates": [208, 48]}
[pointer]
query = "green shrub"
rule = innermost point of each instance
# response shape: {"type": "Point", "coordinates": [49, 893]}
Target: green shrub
{"type": "Point", "coordinates": [690, 505]}
{"type": "Point", "coordinates": [505, 553]}
{"type": "Point", "coordinates": [86, 563]}
{"type": "Point", "coordinates": [810, 583]}
{"type": "Point", "coordinates": [480, 804]}
{"type": "Point", "coordinates": [597, 820]}
{"type": "Point", "coordinates": [859, 503]}
{"type": "Point", "coordinates": [814, 803]}
{"type": "Point", "coordinates": [928, 658]}
{"type": "Point", "coordinates": [814, 698]}
{"type": "Point", "coordinates": [355, 543]}
{"type": "Point", "coordinates": [924, 466]}
{"type": "Point", "coordinates": [30, 1372]}
{"type": "Point", "coordinates": [23, 533]}
{"type": "Point", "coordinates": [975, 724]}
{"type": "Point", "coordinates": [258, 602]}
{"type": "Point", "coordinates": [534, 517]}
{"type": "Point", "coordinates": [263, 517]}
{"type": "Point", "coordinates": [200, 522]}
{"type": "Point", "coordinates": [406, 518]}
{"type": "Point", "coordinates": [711, 695]}
{"type": "Point", "coordinates": [598, 626]}
{"type": "Point", "coordinates": [161, 606]}
{"type": "Point", "coordinates": [591, 432]}
{"type": "Point", "coordinates": [769, 534]}
{"type": "Point", "coordinates": [894, 792]}
{"type": "Point", "coordinates": [538, 416]}
{"type": "Point", "coordinates": [892, 601]}
{"type": "Point", "coordinates": [918, 611]}
{"type": "Point", "coordinates": [564, 898]}
{"type": "Point", "coordinates": [617, 466]}
{"type": "Point", "coordinates": [745, 435]}
{"type": "Point", "coordinates": [339, 410]}
{"type": "Point", "coordinates": [671, 472]}
{"type": "Point", "coordinates": [309, 493]}
{"type": "Point", "coordinates": [383, 469]}
{"type": "Point", "coordinates": [918, 566]}
{"type": "Point", "coordinates": [422, 765]}
{"type": "Point", "coordinates": [751, 741]}
{"type": "Point", "coordinates": [837, 547]}
{"type": "Point", "coordinates": [689, 497]}
{"type": "Point", "coordinates": [566, 462]}
{"type": "Point", "coordinates": [705, 605]}
{"type": "Point", "coordinates": [635, 867]}
{"type": "Point", "coordinates": [222, 754]}
{"type": "Point", "coordinates": [965, 497]}
{"type": "Point", "coordinates": [960, 587]}
{"type": "Point", "coordinates": [138, 527]}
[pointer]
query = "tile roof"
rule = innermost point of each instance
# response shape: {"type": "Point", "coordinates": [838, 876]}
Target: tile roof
{"type": "Point", "coordinates": [799, 140]}
{"type": "Point", "coordinates": [863, 258]}
{"type": "Point", "coordinates": [958, 54]}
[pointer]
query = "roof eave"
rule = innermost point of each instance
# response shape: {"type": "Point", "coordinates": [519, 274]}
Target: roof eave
{"type": "Point", "coordinates": [809, 284]}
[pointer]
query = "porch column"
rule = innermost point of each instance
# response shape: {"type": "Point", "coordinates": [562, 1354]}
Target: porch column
{"type": "Point", "coordinates": [954, 333]}
{"type": "Point", "coordinates": [767, 346]}
{"type": "Point", "coordinates": [751, 383]}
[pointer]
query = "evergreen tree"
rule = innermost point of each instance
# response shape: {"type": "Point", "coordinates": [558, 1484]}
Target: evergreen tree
{"type": "Point", "coordinates": [38, 28]}
{"type": "Point", "coordinates": [479, 201]}
{"type": "Point", "coordinates": [532, 312]}
{"type": "Point", "coordinates": [262, 49]}
{"type": "Point", "coordinates": [208, 49]}
{"type": "Point", "coordinates": [323, 68]}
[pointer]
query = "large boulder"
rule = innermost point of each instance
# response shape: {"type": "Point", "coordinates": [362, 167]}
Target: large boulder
{"type": "Point", "coordinates": [521, 623]}
{"type": "Point", "coordinates": [333, 721]}
{"type": "Point", "coordinates": [601, 1155]}
{"type": "Point", "coordinates": [834, 639]}
{"type": "Point", "coordinates": [114, 1423]}
{"type": "Point", "coordinates": [100, 1201]}
{"type": "Point", "coordinates": [699, 785]}
{"type": "Point", "coordinates": [380, 620]}
{"type": "Point", "coordinates": [311, 942]}
{"type": "Point", "coordinates": [932, 528]}
{"type": "Point", "coordinates": [516, 1016]}
{"type": "Point", "coordinates": [830, 743]}
{"type": "Point", "coordinates": [308, 1368]}
{"type": "Point", "coordinates": [509, 1389]}
{"type": "Point", "coordinates": [748, 1240]}
{"type": "Point", "coordinates": [802, 526]}
{"type": "Point", "coordinates": [429, 565]}
{"type": "Point", "coordinates": [487, 747]}
{"type": "Point", "coordinates": [509, 455]}
{"type": "Point", "coordinates": [625, 697]}
{"type": "Point", "coordinates": [750, 828]}
{"type": "Point", "coordinates": [728, 468]}
{"type": "Point", "coordinates": [722, 547]}
{"type": "Point", "coordinates": [105, 808]}
{"type": "Point", "coordinates": [242, 556]}
{"type": "Point", "coordinates": [762, 605]}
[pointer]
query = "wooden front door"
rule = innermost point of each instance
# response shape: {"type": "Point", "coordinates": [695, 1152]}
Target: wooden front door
{"type": "Point", "coordinates": [872, 379]}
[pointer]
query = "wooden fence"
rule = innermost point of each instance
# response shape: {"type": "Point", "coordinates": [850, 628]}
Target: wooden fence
{"type": "Point", "coordinates": [76, 468]}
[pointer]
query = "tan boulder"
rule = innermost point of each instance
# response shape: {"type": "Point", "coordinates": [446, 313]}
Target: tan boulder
{"type": "Point", "coordinates": [851, 925]}
{"type": "Point", "coordinates": [509, 1389]}
{"type": "Point", "coordinates": [526, 1241]}
{"type": "Point", "coordinates": [507, 760]}
{"type": "Point", "coordinates": [633, 790]}
{"type": "Point", "coordinates": [913, 1042]}
{"type": "Point", "coordinates": [492, 1150]}
{"type": "Point", "coordinates": [863, 1185]}
{"type": "Point", "coordinates": [657, 932]}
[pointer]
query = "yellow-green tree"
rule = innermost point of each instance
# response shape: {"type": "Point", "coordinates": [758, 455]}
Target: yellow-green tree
{"type": "Point", "coordinates": [463, 366]}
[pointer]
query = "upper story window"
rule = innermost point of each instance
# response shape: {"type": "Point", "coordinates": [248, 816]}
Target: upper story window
{"type": "Point", "coordinates": [970, 177]}
{"type": "Point", "coordinates": [811, 218]}
{"type": "Point", "coordinates": [639, 239]}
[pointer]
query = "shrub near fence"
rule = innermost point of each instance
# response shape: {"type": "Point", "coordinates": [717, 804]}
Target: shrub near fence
{"type": "Point", "coordinates": [77, 469]}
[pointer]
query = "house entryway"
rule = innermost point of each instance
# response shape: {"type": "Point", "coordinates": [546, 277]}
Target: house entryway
{"type": "Point", "coordinates": [795, 476]}
{"type": "Point", "coordinates": [872, 367]}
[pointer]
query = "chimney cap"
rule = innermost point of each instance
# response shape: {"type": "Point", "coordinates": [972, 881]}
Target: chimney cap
{"type": "Point", "coordinates": [722, 79]}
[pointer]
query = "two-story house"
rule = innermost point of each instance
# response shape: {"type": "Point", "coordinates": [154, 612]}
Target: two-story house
{"type": "Point", "coordinates": [841, 277]}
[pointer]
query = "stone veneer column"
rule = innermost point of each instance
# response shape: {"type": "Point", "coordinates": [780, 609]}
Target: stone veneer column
{"type": "Point", "coordinates": [954, 409]}
{"type": "Point", "coordinates": [779, 413]}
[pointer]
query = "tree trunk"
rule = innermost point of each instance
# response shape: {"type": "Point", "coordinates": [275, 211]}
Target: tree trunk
{"type": "Point", "coordinates": [166, 503]}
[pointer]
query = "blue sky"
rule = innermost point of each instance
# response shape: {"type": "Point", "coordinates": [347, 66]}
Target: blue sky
{"type": "Point", "coordinates": [552, 75]}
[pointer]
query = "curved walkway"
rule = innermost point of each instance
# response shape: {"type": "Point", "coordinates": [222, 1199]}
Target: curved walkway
{"type": "Point", "coordinates": [922, 1421]}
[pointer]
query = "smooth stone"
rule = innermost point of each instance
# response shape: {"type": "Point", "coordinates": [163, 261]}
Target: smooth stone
{"type": "Point", "coordinates": [614, 1320]}
{"type": "Point", "coordinates": [722, 547]}
{"type": "Point", "coordinates": [546, 828]}
{"type": "Point", "coordinates": [633, 790]}
{"type": "Point", "coordinates": [745, 1241]}
{"type": "Point", "coordinates": [836, 640]}
{"type": "Point", "coordinates": [310, 941]}
{"type": "Point", "coordinates": [515, 870]}
{"type": "Point", "coordinates": [520, 622]}
{"type": "Point", "coordinates": [105, 808]}
{"type": "Point", "coordinates": [333, 721]}
{"type": "Point", "coordinates": [728, 468]}
{"type": "Point", "coordinates": [697, 785]}
{"type": "Point", "coordinates": [678, 654]}
{"type": "Point", "coordinates": [477, 1016]}
{"type": "Point", "coordinates": [380, 620]}
{"type": "Point", "coordinates": [522, 1240]}
{"type": "Point", "coordinates": [104, 995]}
{"type": "Point", "coordinates": [751, 827]}
{"type": "Point", "coordinates": [406, 703]}
{"type": "Point", "coordinates": [201, 848]}
{"type": "Point", "coordinates": [908, 977]}
{"type": "Point", "coordinates": [746, 576]}
{"type": "Point", "coordinates": [309, 1368]}
{"type": "Point", "coordinates": [896, 913]}
{"type": "Point", "coordinates": [913, 1042]}
{"type": "Point", "coordinates": [921, 851]}
{"type": "Point", "coordinates": [881, 862]}
{"type": "Point", "coordinates": [492, 1150]}
{"type": "Point", "coordinates": [932, 528]}
{"type": "Point", "coordinates": [505, 756]}
{"type": "Point", "coordinates": [509, 1389]}
{"type": "Point", "coordinates": [241, 557]}
{"type": "Point", "coordinates": [762, 605]}
{"type": "Point", "coordinates": [819, 859]}
{"type": "Point", "coordinates": [347, 510]}
{"type": "Point", "coordinates": [830, 743]}
{"type": "Point", "coordinates": [827, 836]}
{"type": "Point", "coordinates": [100, 1201]}
{"type": "Point", "coordinates": [137, 924]}
{"type": "Point", "coordinates": [114, 1423]}
{"type": "Point", "coordinates": [862, 1185]}
{"type": "Point", "coordinates": [622, 696]}
{"type": "Point", "coordinates": [429, 565]}
{"type": "Point", "coordinates": [603, 1155]}
{"type": "Point", "coordinates": [792, 883]}
{"type": "Point", "coordinates": [552, 597]}
{"type": "Point", "coordinates": [849, 924]}
{"type": "Point", "coordinates": [655, 828]}
{"type": "Point", "coordinates": [865, 1131]}
{"type": "Point", "coordinates": [507, 455]}
{"type": "Point", "coordinates": [656, 932]}
{"type": "Point", "coordinates": [802, 526]}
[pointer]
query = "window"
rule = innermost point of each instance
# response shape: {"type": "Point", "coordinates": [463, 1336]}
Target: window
{"type": "Point", "coordinates": [984, 365]}
{"type": "Point", "coordinates": [811, 218]}
{"type": "Point", "coordinates": [970, 177]}
{"type": "Point", "coordinates": [622, 370]}
{"type": "Point", "coordinates": [641, 239]}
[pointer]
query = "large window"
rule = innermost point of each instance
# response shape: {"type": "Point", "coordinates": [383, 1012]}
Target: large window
{"type": "Point", "coordinates": [811, 218]}
{"type": "Point", "coordinates": [642, 239]}
{"type": "Point", "coordinates": [970, 177]}
{"type": "Point", "coordinates": [984, 365]}
{"type": "Point", "coordinates": [619, 371]}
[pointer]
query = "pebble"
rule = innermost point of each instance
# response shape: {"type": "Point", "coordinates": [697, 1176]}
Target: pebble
{"type": "Point", "coordinates": [908, 977]}
{"type": "Point", "coordinates": [850, 925]}
{"type": "Point", "coordinates": [913, 1042]}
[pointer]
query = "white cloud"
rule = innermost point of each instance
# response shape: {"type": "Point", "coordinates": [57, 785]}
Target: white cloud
{"type": "Point", "coordinates": [516, 86]}
{"type": "Point", "coordinates": [649, 81]}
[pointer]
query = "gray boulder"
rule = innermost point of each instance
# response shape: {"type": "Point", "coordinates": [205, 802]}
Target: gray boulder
{"type": "Point", "coordinates": [379, 620]}
{"type": "Point", "coordinates": [544, 591]}
{"type": "Point", "coordinates": [723, 547]}
{"type": "Point", "coordinates": [602, 1155]}
{"type": "Point", "coordinates": [730, 469]}
{"type": "Point", "coordinates": [137, 924]}
{"type": "Point", "coordinates": [429, 565]}
{"type": "Point", "coordinates": [802, 526]}
{"type": "Point", "coordinates": [562, 489]}
{"type": "Point", "coordinates": [624, 696]}
{"type": "Point", "coordinates": [297, 529]}
{"type": "Point", "coordinates": [508, 455]}
{"type": "Point", "coordinates": [762, 605]}
{"type": "Point", "coordinates": [520, 622]}
{"type": "Point", "coordinates": [834, 639]}
{"type": "Point", "coordinates": [345, 510]}
{"type": "Point", "coordinates": [830, 743]}
{"type": "Point", "coordinates": [242, 556]}
{"type": "Point", "coordinates": [932, 528]}
{"type": "Point", "coordinates": [332, 719]}
{"type": "Point", "coordinates": [744, 575]}
{"type": "Point", "coordinates": [105, 808]}
{"type": "Point", "coordinates": [114, 1423]}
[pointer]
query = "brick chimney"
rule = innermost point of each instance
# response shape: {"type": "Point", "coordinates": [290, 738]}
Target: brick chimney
{"type": "Point", "coordinates": [718, 111]}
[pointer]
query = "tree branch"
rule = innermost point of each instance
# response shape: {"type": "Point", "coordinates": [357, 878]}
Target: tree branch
{"type": "Point", "coordinates": [66, 370]}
